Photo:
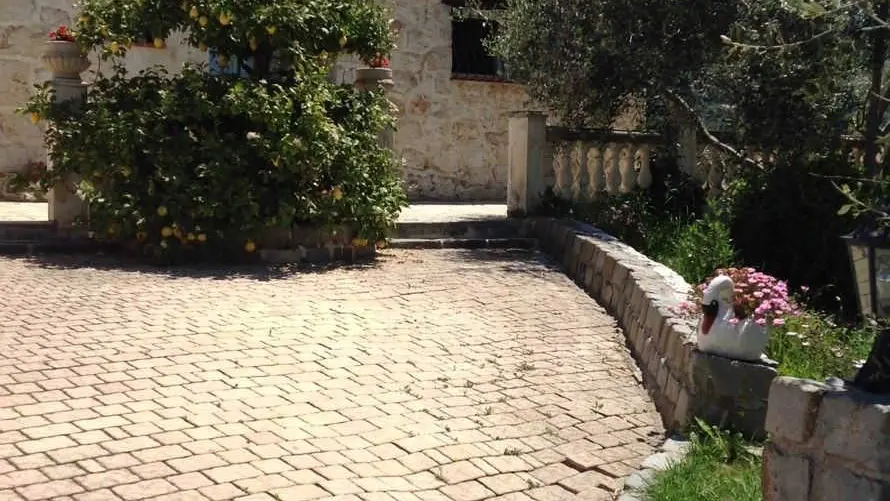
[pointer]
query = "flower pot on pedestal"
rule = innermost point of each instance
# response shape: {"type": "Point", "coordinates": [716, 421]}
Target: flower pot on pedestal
{"type": "Point", "coordinates": [64, 59]}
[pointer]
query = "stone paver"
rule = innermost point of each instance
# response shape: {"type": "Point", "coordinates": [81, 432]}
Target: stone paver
{"type": "Point", "coordinates": [428, 375]}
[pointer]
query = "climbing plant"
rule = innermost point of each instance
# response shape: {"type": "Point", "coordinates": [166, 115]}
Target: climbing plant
{"type": "Point", "coordinates": [189, 160]}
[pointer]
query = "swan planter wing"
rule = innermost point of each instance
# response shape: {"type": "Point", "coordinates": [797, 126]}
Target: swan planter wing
{"type": "Point", "coordinates": [720, 332]}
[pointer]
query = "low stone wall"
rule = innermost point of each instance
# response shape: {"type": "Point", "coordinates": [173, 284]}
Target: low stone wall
{"type": "Point", "coordinates": [640, 293]}
{"type": "Point", "coordinates": [828, 443]}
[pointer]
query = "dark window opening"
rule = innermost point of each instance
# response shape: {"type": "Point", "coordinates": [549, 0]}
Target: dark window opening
{"type": "Point", "coordinates": [470, 58]}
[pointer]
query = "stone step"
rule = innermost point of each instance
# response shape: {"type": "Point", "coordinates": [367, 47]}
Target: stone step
{"type": "Point", "coordinates": [35, 231]}
{"type": "Point", "coordinates": [464, 243]}
{"type": "Point", "coordinates": [476, 230]}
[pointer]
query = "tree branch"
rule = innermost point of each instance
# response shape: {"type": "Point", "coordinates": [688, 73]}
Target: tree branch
{"type": "Point", "coordinates": [703, 129]}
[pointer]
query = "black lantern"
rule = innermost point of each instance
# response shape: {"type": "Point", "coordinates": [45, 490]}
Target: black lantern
{"type": "Point", "coordinates": [869, 249]}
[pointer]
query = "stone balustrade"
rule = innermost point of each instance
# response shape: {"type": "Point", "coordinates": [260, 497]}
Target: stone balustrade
{"type": "Point", "coordinates": [588, 164]}
{"type": "Point", "coordinates": [828, 443]}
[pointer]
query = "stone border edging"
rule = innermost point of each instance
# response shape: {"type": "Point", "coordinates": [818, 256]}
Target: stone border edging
{"type": "Point", "coordinates": [639, 293]}
{"type": "Point", "coordinates": [672, 451]}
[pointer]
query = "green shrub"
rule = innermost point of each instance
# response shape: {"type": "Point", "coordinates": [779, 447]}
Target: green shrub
{"type": "Point", "coordinates": [813, 346]}
{"type": "Point", "coordinates": [197, 161]}
{"type": "Point", "coordinates": [784, 221]}
{"type": "Point", "coordinates": [694, 249]}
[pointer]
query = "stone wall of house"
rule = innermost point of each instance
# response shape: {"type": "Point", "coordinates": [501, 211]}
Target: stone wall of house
{"type": "Point", "coordinates": [451, 133]}
{"type": "Point", "coordinates": [24, 26]}
{"type": "Point", "coordinates": [640, 293]}
{"type": "Point", "coordinates": [828, 443]}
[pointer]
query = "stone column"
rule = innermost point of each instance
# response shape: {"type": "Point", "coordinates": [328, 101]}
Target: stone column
{"type": "Point", "coordinates": [526, 154]}
{"type": "Point", "coordinates": [367, 79]}
{"type": "Point", "coordinates": [66, 63]}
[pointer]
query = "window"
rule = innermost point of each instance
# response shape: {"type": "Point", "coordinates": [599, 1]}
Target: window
{"type": "Point", "coordinates": [470, 58]}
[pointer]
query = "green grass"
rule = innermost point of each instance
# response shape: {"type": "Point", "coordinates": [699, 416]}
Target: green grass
{"type": "Point", "coordinates": [718, 467]}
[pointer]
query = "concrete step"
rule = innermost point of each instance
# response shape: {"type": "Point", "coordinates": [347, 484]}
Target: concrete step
{"type": "Point", "coordinates": [464, 243]}
{"type": "Point", "coordinates": [483, 229]}
{"type": "Point", "coordinates": [35, 231]}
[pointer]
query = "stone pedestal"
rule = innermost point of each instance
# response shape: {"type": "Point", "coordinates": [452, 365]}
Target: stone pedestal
{"type": "Point", "coordinates": [367, 79]}
{"type": "Point", "coordinates": [67, 63]}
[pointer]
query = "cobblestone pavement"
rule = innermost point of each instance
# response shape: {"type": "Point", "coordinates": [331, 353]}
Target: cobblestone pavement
{"type": "Point", "coordinates": [437, 375]}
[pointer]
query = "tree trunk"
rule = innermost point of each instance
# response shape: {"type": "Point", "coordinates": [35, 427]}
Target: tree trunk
{"type": "Point", "coordinates": [874, 114]}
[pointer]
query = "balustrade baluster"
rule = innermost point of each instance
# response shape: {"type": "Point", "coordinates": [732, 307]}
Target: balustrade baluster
{"type": "Point", "coordinates": [644, 179]}
{"type": "Point", "coordinates": [715, 180]}
{"type": "Point", "coordinates": [613, 176]}
{"type": "Point", "coordinates": [567, 174]}
{"type": "Point", "coordinates": [597, 173]}
{"type": "Point", "coordinates": [582, 181]}
{"type": "Point", "coordinates": [626, 168]}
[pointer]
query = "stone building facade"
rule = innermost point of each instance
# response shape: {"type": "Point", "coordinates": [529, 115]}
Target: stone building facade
{"type": "Point", "coordinates": [453, 110]}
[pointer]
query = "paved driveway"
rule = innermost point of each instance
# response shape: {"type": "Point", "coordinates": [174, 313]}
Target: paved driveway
{"type": "Point", "coordinates": [453, 375]}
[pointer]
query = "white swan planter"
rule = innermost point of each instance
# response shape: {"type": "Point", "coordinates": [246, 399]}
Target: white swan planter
{"type": "Point", "coordinates": [718, 334]}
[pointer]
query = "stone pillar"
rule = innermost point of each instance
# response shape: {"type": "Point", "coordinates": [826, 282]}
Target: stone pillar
{"type": "Point", "coordinates": [525, 162]}
{"type": "Point", "coordinates": [367, 79]}
{"type": "Point", "coordinates": [66, 63]}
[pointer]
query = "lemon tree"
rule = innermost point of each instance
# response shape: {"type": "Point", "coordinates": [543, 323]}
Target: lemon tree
{"type": "Point", "coordinates": [195, 161]}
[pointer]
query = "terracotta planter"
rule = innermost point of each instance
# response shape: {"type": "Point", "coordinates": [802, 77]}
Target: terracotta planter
{"type": "Point", "coordinates": [368, 78]}
{"type": "Point", "coordinates": [64, 59]}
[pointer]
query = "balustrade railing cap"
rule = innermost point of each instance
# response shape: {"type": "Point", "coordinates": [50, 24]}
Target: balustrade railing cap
{"type": "Point", "coordinates": [526, 113]}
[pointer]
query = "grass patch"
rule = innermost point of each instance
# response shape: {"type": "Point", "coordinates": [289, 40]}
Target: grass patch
{"type": "Point", "coordinates": [718, 467]}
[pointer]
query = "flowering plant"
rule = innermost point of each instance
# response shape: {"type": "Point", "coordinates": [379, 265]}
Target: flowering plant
{"type": "Point", "coordinates": [379, 61]}
{"type": "Point", "coordinates": [756, 295]}
{"type": "Point", "coordinates": [62, 34]}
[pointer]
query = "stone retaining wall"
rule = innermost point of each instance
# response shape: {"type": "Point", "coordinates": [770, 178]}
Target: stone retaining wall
{"type": "Point", "coordinates": [828, 443]}
{"type": "Point", "coordinates": [640, 293]}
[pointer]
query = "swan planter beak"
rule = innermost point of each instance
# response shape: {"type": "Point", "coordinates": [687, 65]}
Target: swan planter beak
{"type": "Point", "coordinates": [721, 333]}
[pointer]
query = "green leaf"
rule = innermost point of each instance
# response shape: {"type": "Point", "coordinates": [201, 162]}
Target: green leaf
{"type": "Point", "coordinates": [844, 209]}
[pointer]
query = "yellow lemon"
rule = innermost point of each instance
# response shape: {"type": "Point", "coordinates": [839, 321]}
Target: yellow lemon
{"type": "Point", "coordinates": [202, 237]}
{"type": "Point", "coordinates": [203, 20]}
{"type": "Point", "coordinates": [35, 118]}
{"type": "Point", "coordinates": [194, 13]}
{"type": "Point", "coordinates": [249, 246]}
{"type": "Point", "coordinates": [166, 232]}
{"type": "Point", "coordinates": [253, 44]}
{"type": "Point", "coordinates": [162, 211]}
{"type": "Point", "coordinates": [190, 237]}
{"type": "Point", "coordinates": [160, 43]}
{"type": "Point", "coordinates": [271, 30]}
{"type": "Point", "coordinates": [203, 47]}
{"type": "Point", "coordinates": [224, 19]}
{"type": "Point", "coordinates": [84, 19]}
{"type": "Point", "coordinates": [337, 193]}
{"type": "Point", "coordinates": [356, 242]}
{"type": "Point", "coordinates": [343, 41]}
{"type": "Point", "coordinates": [115, 47]}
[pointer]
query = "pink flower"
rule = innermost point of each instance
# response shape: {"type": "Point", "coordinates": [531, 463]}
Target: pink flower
{"type": "Point", "coordinates": [761, 322]}
{"type": "Point", "coordinates": [778, 321]}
